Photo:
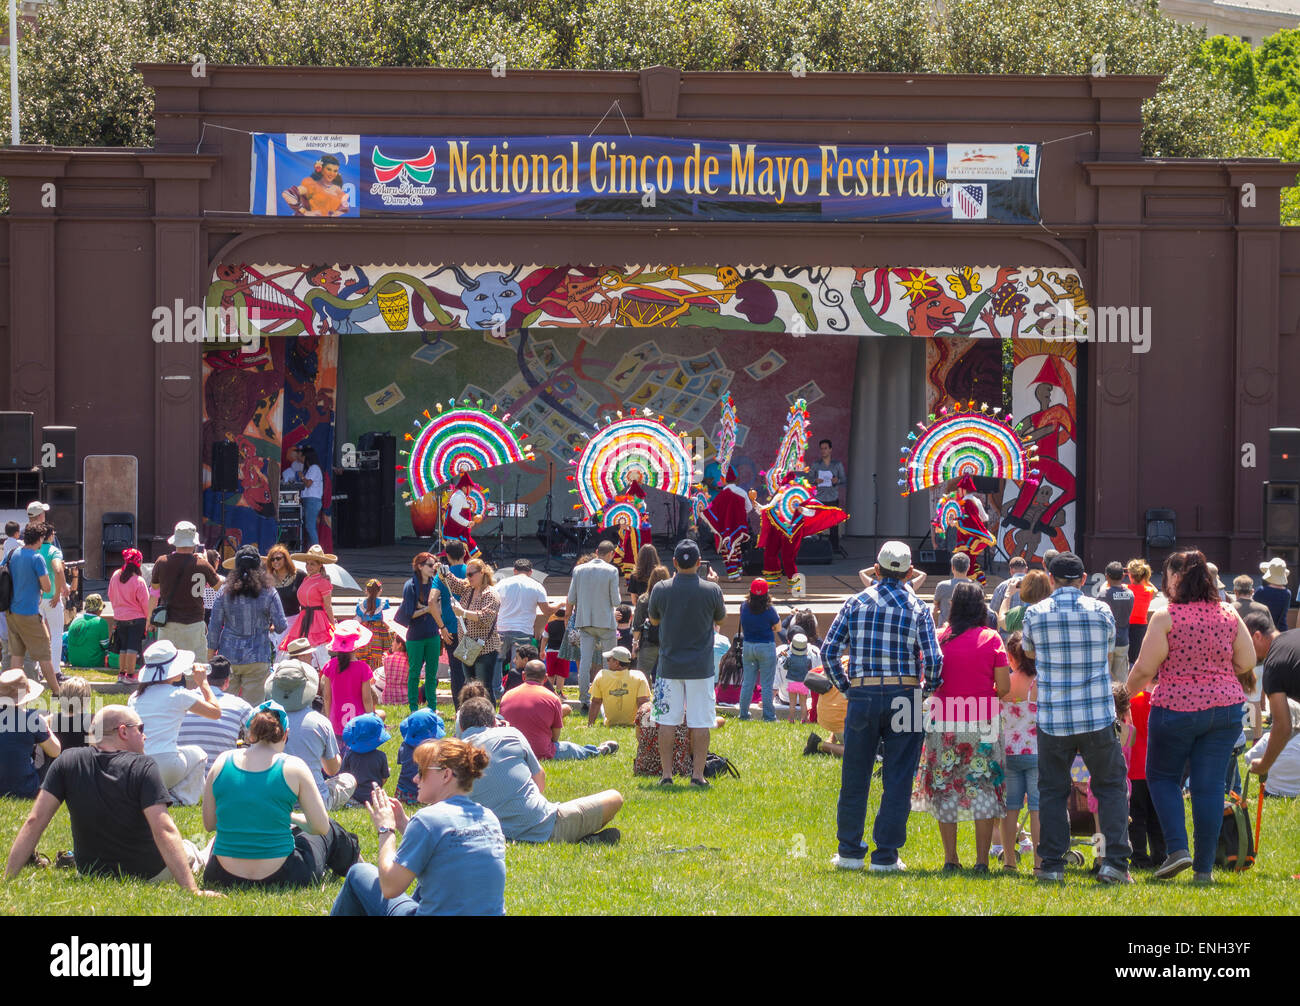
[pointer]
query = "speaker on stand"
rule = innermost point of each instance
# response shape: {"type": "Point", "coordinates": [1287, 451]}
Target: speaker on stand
{"type": "Point", "coordinates": [385, 444]}
{"type": "Point", "coordinates": [16, 432]}
{"type": "Point", "coordinates": [60, 488]}
{"type": "Point", "coordinates": [225, 479]}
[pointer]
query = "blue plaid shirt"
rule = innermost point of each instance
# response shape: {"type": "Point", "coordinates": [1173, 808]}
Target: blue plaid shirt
{"type": "Point", "coordinates": [888, 631]}
{"type": "Point", "coordinates": [1070, 637]}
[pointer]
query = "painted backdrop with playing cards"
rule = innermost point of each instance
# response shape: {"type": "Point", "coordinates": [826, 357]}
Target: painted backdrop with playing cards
{"type": "Point", "coordinates": [561, 346]}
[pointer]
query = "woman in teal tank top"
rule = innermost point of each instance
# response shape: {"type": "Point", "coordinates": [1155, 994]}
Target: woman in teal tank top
{"type": "Point", "coordinates": [249, 801]}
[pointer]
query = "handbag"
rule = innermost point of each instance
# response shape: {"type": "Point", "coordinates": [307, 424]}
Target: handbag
{"type": "Point", "coordinates": [159, 616]}
{"type": "Point", "coordinates": [467, 648]}
{"type": "Point", "coordinates": [571, 644]}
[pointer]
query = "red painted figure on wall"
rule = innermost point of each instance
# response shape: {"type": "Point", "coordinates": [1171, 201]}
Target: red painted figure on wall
{"type": "Point", "coordinates": [1052, 426]}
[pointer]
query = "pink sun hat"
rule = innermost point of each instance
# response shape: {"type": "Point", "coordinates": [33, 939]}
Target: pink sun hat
{"type": "Point", "coordinates": [348, 636]}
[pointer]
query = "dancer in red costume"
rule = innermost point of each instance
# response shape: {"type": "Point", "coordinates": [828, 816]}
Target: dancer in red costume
{"type": "Point", "coordinates": [630, 536]}
{"type": "Point", "coordinates": [728, 516]}
{"type": "Point", "coordinates": [460, 517]}
{"type": "Point", "coordinates": [791, 515]}
{"type": "Point", "coordinates": [971, 529]}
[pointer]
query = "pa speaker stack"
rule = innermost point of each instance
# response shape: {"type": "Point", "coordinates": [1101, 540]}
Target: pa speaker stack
{"type": "Point", "coordinates": [1282, 496]}
{"type": "Point", "coordinates": [60, 488]}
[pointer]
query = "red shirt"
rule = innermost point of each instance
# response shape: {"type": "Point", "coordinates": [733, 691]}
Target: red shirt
{"type": "Point", "coordinates": [1139, 709]}
{"type": "Point", "coordinates": [535, 712]}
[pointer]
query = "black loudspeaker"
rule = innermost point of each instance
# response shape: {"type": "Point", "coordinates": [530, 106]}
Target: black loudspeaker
{"type": "Point", "coordinates": [225, 466]}
{"type": "Point", "coordinates": [752, 564]}
{"type": "Point", "coordinates": [16, 432]}
{"type": "Point", "coordinates": [64, 499]}
{"type": "Point", "coordinates": [1282, 513]}
{"type": "Point", "coordinates": [935, 560]}
{"type": "Point", "coordinates": [985, 484]}
{"type": "Point", "coordinates": [386, 477]}
{"type": "Point", "coordinates": [358, 509]}
{"type": "Point", "coordinates": [815, 551]}
{"type": "Point", "coordinates": [1284, 454]}
{"type": "Point", "coordinates": [58, 454]}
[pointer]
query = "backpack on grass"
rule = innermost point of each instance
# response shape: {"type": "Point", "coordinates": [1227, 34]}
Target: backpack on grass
{"type": "Point", "coordinates": [1236, 849]}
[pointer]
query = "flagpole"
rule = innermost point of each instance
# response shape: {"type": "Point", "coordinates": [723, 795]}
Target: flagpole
{"type": "Point", "coordinates": [14, 134]}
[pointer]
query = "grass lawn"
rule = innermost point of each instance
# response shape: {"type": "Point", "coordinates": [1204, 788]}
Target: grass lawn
{"type": "Point", "coordinates": [760, 844]}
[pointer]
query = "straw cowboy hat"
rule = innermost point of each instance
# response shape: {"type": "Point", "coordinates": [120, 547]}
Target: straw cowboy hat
{"type": "Point", "coordinates": [250, 555]}
{"type": "Point", "coordinates": [314, 554]}
{"type": "Point", "coordinates": [16, 689]}
{"type": "Point", "coordinates": [299, 649]}
{"type": "Point", "coordinates": [1275, 572]}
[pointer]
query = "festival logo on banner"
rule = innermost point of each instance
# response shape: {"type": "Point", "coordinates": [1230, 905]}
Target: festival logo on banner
{"type": "Point", "coordinates": [981, 161]}
{"type": "Point", "coordinates": [403, 181]}
{"type": "Point", "coordinates": [970, 202]}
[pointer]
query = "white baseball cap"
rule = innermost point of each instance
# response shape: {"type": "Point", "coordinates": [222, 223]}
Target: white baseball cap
{"type": "Point", "coordinates": [895, 556]}
{"type": "Point", "coordinates": [36, 508]}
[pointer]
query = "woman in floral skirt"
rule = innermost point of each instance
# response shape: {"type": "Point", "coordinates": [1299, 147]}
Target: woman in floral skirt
{"type": "Point", "coordinates": [961, 775]}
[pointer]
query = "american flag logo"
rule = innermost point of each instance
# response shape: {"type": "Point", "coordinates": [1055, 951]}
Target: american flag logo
{"type": "Point", "coordinates": [968, 203]}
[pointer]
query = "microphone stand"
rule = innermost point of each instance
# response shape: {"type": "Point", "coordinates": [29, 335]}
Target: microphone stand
{"type": "Point", "coordinates": [550, 529]}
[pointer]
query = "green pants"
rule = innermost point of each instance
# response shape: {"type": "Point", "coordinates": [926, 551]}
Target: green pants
{"type": "Point", "coordinates": [423, 653]}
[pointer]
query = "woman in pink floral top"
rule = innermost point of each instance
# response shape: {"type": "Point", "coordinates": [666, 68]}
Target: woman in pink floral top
{"type": "Point", "coordinates": [1202, 652]}
{"type": "Point", "coordinates": [960, 777]}
{"type": "Point", "coordinates": [1020, 745]}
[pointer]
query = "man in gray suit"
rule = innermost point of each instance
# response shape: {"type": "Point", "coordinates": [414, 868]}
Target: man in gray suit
{"type": "Point", "coordinates": [593, 596]}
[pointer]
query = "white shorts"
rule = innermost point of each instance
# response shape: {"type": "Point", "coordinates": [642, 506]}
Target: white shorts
{"type": "Point", "coordinates": [684, 699]}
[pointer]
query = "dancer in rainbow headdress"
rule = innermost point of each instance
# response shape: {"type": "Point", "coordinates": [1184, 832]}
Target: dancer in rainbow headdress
{"type": "Point", "coordinates": [628, 520]}
{"type": "Point", "coordinates": [728, 516]}
{"type": "Point", "coordinates": [786, 520]}
{"type": "Point", "coordinates": [962, 513]}
{"type": "Point", "coordinates": [460, 516]}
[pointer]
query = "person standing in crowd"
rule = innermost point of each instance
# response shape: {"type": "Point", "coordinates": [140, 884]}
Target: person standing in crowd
{"type": "Point", "coordinates": [593, 596]}
{"type": "Point", "coordinates": [216, 736]}
{"type": "Point", "coordinates": [423, 612]}
{"type": "Point", "coordinates": [52, 600]}
{"type": "Point", "coordinates": [522, 598]}
{"type": "Point", "coordinates": [638, 582]}
{"type": "Point", "coordinates": [13, 540]}
{"type": "Point", "coordinates": [830, 478]}
{"type": "Point", "coordinates": [345, 681]}
{"type": "Point", "coordinates": [249, 801]}
{"type": "Point", "coordinates": [479, 613]}
{"type": "Point", "coordinates": [962, 772]}
{"type": "Point", "coordinates": [1275, 594]}
{"type": "Point", "coordinates": [286, 578]}
{"type": "Point", "coordinates": [117, 808]}
{"type": "Point", "coordinates": [129, 596]}
{"type": "Point", "coordinates": [687, 612]}
{"type": "Point", "coordinates": [1120, 601]}
{"type": "Point", "coordinates": [88, 635]}
{"type": "Point", "coordinates": [162, 702]}
{"type": "Point", "coordinates": [210, 593]}
{"type": "Point", "coordinates": [1243, 589]}
{"type": "Point", "coordinates": [312, 495]}
{"type": "Point", "coordinates": [757, 617]}
{"type": "Point", "coordinates": [29, 636]}
{"type": "Point", "coordinates": [1203, 654]}
{"type": "Point", "coordinates": [1017, 567]}
{"type": "Point", "coordinates": [1020, 745]}
{"type": "Point", "coordinates": [887, 633]}
{"type": "Point", "coordinates": [1034, 587]}
{"type": "Point", "coordinates": [315, 619]}
{"type": "Point", "coordinates": [245, 615]}
{"type": "Point", "coordinates": [646, 635]}
{"type": "Point", "coordinates": [1145, 836]}
{"type": "Point", "coordinates": [370, 613]}
{"type": "Point", "coordinates": [453, 846]}
{"type": "Point", "coordinates": [960, 566]}
{"type": "Point", "coordinates": [1070, 637]}
{"type": "Point", "coordinates": [294, 685]}
{"type": "Point", "coordinates": [1139, 578]}
{"type": "Point", "coordinates": [457, 674]}
{"type": "Point", "coordinates": [175, 577]}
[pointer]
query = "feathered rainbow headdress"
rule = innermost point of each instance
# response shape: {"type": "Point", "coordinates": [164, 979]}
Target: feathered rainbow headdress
{"type": "Point", "coordinates": [966, 441]}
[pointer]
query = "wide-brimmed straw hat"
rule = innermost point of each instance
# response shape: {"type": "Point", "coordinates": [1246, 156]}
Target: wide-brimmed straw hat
{"type": "Point", "coordinates": [248, 553]}
{"type": "Point", "coordinates": [17, 689]}
{"type": "Point", "coordinates": [1275, 572]}
{"type": "Point", "coordinates": [314, 554]}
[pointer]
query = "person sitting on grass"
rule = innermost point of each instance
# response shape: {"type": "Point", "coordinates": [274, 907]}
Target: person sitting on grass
{"type": "Point", "coordinates": [832, 710]}
{"type": "Point", "coordinates": [22, 732]}
{"type": "Point", "coordinates": [215, 736]}
{"type": "Point", "coordinates": [618, 691]}
{"type": "Point", "coordinates": [454, 847]}
{"type": "Point", "coordinates": [87, 636]}
{"type": "Point", "coordinates": [117, 805]}
{"type": "Point", "coordinates": [514, 784]}
{"type": "Point", "coordinates": [537, 712]}
{"type": "Point", "coordinates": [364, 737]}
{"type": "Point", "coordinates": [293, 684]}
{"type": "Point", "coordinates": [1283, 777]}
{"type": "Point", "coordinates": [248, 801]}
{"type": "Point", "coordinates": [475, 690]}
{"type": "Point", "coordinates": [523, 652]}
{"type": "Point", "coordinates": [422, 725]}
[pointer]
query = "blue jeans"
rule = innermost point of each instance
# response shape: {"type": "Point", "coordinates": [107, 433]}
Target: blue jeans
{"type": "Point", "coordinates": [760, 666]}
{"type": "Point", "coordinates": [310, 515]}
{"type": "Point", "coordinates": [874, 714]}
{"type": "Point", "coordinates": [361, 895]}
{"type": "Point", "coordinates": [1204, 739]}
{"type": "Point", "coordinates": [568, 751]}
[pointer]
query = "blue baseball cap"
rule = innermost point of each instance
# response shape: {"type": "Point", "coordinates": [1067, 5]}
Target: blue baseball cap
{"type": "Point", "coordinates": [422, 725]}
{"type": "Point", "coordinates": [365, 734]}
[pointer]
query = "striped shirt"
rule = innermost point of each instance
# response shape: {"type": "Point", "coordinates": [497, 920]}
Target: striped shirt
{"type": "Point", "coordinates": [1070, 637]}
{"type": "Point", "coordinates": [216, 736]}
{"type": "Point", "coordinates": [887, 631]}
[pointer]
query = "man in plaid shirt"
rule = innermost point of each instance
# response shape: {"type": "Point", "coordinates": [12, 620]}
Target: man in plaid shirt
{"type": "Point", "coordinates": [1070, 637]}
{"type": "Point", "coordinates": [892, 655]}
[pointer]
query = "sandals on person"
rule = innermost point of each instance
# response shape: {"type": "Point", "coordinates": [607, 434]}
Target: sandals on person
{"type": "Point", "coordinates": [666, 781]}
{"type": "Point", "coordinates": [39, 859]}
{"type": "Point", "coordinates": [65, 860]}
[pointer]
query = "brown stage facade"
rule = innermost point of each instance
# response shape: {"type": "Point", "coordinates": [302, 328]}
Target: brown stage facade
{"type": "Point", "coordinates": [98, 239]}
